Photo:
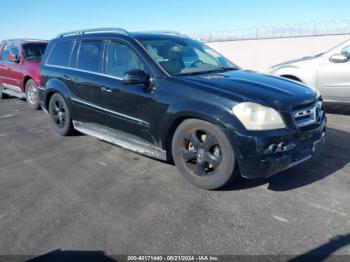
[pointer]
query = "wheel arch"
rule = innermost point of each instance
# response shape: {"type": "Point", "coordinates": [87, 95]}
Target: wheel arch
{"type": "Point", "coordinates": [25, 80]}
{"type": "Point", "coordinates": [291, 73]}
{"type": "Point", "coordinates": [292, 77]}
{"type": "Point", "coordinates": [56, 86]}
{"type": "Point", "coordinates": [176, 121]}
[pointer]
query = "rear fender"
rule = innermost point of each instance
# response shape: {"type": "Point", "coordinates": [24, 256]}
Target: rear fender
{"type": "Point", "coordinates": [57, 86]}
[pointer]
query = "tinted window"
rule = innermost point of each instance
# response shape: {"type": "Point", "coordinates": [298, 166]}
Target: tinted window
{"type": "Point", "coordinates": [60, 54]}
{"type": "Point", "coordinates": [186, 56]}
{"type": "Point", "coordinates": [6, 52]}
{"type": "Point", "coordinates": [2, 45]}
{"type": "Point", "coordinates": [33, 51]}
{"type": "Point", "coordinates": [346, 51]}
{"type": "Point", "coordinates": [121, 59]}
{"type": "Point", "coordinates": [74, 56]}
{"type": "Point", "coordinates": [90, 56]}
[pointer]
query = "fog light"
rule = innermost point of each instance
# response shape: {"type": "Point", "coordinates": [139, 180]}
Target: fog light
{"type": "Point", "coordinates": [279, 147]}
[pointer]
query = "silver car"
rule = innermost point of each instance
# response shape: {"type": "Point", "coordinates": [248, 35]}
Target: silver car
{"type": "Point", "coordinates": [328, 72]}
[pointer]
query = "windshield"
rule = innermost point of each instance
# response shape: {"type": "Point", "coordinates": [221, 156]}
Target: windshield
{"type": "Point", "coordinates": [186, 56]}
{"type": "Point", "coordinates": [34, 51]}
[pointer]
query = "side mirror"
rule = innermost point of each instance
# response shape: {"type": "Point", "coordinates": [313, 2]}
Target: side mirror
{"type": "Point", "coordinates": [13, 58]}
{"type": "Point", "coordinates": [339, 58]}
{"type": "Point", "coordinates": [136, 76]}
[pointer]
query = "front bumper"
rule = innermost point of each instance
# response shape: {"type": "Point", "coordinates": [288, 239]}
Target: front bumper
{"type": "Point", "coordinates": [263, 154]}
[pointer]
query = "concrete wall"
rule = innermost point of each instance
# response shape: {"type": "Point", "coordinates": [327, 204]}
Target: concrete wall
{"type": "Point", "coordinates": [261, 54]}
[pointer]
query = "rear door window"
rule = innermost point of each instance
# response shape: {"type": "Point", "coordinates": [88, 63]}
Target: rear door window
{"type": "Point", "coordinates": [60, 54]}
{"type": "Point", "coordinates": [74, 55]}
{"type": "Point", "coordinates": [90, 56]}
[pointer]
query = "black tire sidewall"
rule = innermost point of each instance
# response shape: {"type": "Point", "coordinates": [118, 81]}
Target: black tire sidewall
{"type": "Point", "coordinates": [226, 171]}
{"type": "Point", "coordinates": [66, 130]}
{"type": "Point", "coordinates": [35, 105]}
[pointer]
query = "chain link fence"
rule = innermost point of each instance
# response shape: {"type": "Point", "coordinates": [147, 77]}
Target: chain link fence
{"type": "Point", "coordinates": [314, 28]}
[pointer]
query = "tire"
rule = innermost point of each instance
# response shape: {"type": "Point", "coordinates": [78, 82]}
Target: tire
{"type": "Point", "coordinates": [60, 115]}
{"type": "Point", "coordinates": [2, 95]}
{"type": "Point", "coordinates": [32, 94]}
{"type": "Point", "coordinates": [203, 154]}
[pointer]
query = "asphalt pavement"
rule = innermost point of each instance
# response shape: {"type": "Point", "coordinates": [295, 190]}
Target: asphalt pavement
{"type": "Point", "coordinates": [81, 194]}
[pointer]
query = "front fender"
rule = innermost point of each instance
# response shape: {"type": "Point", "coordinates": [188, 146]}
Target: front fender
{"type": "Point", "coordinates": [216, 115]}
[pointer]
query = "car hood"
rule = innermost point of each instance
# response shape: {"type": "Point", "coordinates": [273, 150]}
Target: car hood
{"type": "Point", "coordinates": [268, 90]}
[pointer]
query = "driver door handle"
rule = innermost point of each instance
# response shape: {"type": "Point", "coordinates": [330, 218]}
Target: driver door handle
{"type": "Point", "coordinates": [106, 89]}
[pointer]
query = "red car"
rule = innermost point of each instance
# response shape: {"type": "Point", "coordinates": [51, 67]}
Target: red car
{"type": "Point", "coordinates": [19, 69]}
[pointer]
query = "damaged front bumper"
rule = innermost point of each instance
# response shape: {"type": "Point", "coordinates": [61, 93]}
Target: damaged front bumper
{"type": "Point", "coordinates": [263, 154]}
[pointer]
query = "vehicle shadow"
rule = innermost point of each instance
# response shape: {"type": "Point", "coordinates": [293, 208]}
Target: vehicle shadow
{"type": "Point", "coordinates": [322, 252]}
{"type": "Point", "coordinates": [335, 156]}
{"type": "Point", "coordinates": [70, 256]}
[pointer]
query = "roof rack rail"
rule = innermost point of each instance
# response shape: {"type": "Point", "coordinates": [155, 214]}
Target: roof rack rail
{"type": "Point", "coordinates": [23, 39]}
{"type": "Point", "coordinates": [95, 30]}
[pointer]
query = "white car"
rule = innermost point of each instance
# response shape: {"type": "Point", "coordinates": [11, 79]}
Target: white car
{"type": "Point", "coordinates": [328, 72]}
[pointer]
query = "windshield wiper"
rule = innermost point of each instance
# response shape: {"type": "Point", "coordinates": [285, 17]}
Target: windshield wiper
{"type": "Point", "coordinates": [217, 70]}
{"type": "Point", "coordinates": [223, 69]}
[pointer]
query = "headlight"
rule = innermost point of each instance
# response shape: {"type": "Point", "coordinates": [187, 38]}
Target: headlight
{"type": "Point", "coordinates": [257, 117]}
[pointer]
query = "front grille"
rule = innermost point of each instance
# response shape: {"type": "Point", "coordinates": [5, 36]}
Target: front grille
{"type": "Point", "coordinates": [309, 116]}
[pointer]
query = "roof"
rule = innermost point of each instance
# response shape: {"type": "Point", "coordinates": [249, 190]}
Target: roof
{"type": "Point", "coordinates": [157, 35]}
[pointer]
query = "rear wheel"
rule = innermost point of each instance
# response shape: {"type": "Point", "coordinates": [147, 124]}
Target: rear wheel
{"type": "Point", "coordinates": [2, 95]}
{"type": "Point", "coordinates": [32, 94]}
{"type": "Point", "coordinates": [60, 115]}
{"type": "Point", "coordinates": [203, 154]}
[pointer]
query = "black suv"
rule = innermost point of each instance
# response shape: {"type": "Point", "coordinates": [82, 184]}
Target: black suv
{"type": "Point", "coordinates": [170, 97]}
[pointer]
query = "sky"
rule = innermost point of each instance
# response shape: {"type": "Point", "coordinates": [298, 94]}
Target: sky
{"type": "Point", "coordinates": [45, 19]}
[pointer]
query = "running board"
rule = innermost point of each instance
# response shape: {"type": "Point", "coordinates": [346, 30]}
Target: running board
{"type": "Point", "coordinates": [122, 139]}
{"type": "Point", "coordinates": [12, 92]}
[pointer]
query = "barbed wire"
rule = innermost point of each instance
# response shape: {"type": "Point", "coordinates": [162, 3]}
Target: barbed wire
{"type": "Point", "coordinates": [312, 28]}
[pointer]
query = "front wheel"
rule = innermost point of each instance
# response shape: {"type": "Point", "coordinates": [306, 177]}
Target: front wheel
{"type": "Point", "coordinates": [32, 94]}
{"type": "Point", "coordinates": [203, 154]}
{"type": "Point", "coordinates": [60, 115]}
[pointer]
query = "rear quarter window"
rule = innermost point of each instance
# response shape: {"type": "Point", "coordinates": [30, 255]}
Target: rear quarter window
{"type": "Point", "coordinates": [60, 54]}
